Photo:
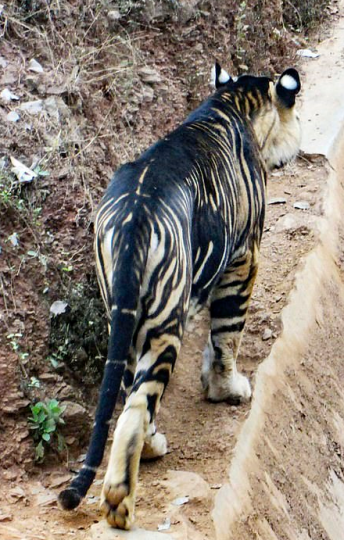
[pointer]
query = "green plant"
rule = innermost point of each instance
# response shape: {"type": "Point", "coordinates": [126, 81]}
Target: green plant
{"type": "Point", "coordinates": [45, 421]}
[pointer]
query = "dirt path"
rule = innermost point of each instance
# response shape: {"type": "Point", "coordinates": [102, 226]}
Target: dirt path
{"type": "Point", "coordinates": [203, 437]}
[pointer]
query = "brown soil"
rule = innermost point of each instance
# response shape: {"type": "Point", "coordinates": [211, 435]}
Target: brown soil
{"type": "Point", "coordinates": [99, 125]}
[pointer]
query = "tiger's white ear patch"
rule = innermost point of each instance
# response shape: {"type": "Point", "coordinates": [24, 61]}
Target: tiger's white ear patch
{"type": "Point", "coordinates": [223, 77]}
{"type": "Point", "coordinates": [218, 76]}
{"type": "Point", "coordinates": [288, 82]}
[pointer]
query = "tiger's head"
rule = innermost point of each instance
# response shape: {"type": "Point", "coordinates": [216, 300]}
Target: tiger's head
{"type": "Point", "coordinates": [271, 108]}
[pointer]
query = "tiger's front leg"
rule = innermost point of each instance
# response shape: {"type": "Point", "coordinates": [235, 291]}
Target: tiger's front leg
{"type": "Point", "coordinates": [220, 379]}
{"type": "Point", "coordinates": [135, 432]}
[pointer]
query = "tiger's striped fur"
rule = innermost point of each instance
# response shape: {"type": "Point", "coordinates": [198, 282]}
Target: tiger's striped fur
{"type": "Point", "coordinates": [181, 226]}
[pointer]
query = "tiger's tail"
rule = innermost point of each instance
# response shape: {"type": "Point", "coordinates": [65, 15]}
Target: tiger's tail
{"type": "Point", "coordinates": [122, 326]}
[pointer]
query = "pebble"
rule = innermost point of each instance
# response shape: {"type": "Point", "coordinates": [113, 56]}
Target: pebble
{"type": "Point", "coordinates": [267, 334]}
{"type": "Point", "coordinates": [6, 517]}
{"type": "Point", "coordinates": [57, 482]}
{"type": "Point", "coordinates": [149, 75]}
{"type": "Point", "coordinates": [17, 493]}
{"type": "Point", "coordinates": [13, 116]}
{"type": "Point", "coordinates": [35, 66]}
{"type": "Point", "coordinates": [277, 200]}
{"type": "Point", "coordinates": [302, 205]}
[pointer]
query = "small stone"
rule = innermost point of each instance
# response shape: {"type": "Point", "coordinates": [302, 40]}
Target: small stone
{"type": "Point", "coordinates": [13, 238]}
{"type": "Point", "coordinates": [70, 440]}
{"type": "Point", "coordinates": [307, 53]}
{"type": "Point", "coordinates": [302, 205]}
{"type": "Point", "coordinates": [114, 15]}
{"type": "Point", "coordinates": [57, 482]}
{"type": "Point", "coordinates": [48, 377]}
{"type": "Point", "coordinates": [7, 96]}
{"type": "Point", "coordinates": [6, 517]}
{"type": "Point", "coordinates": [92, 499]}
{"type": "Point", "coordinates": [35, 66]}
{"type": "Point", "coordinates": [267, 334]}
{"type": "Point", "coordinates": [17, 493]}
{"type": "Point", "coordinates": [81, 458]}
{"type": "Point", "coordinates": [179, 501]}
{"type": "Point", "coordinates": [3, 62]}
{"type": "Point", "coordinates": [98, 482]}
{"type": "Point", "coordinates": [165, 525]}
{"type": "Point", "coordinates": [10, 475]}
{"type": "Point", "coordinates": [46, 499]}
{"type": "Point", "coordinates": [13, 116]}
{"type": "Point", "coordinates": [147, 94]}
{"type": "Point", "coordinates": [149, 75]}
{"type": "Point", "coordinates": [292, 223]}
{"type": "Point", "coordinates": [59, 307]}
{"type": "Point", "coordinates": [32, 107]}
{"type": "Point", "coordinates": [277, 200]}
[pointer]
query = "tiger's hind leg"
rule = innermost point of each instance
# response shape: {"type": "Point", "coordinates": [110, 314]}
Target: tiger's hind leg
{"type": "Point", "coordinates": [220, 378]}
{"type": "Point", "coordinates": [135, 428]}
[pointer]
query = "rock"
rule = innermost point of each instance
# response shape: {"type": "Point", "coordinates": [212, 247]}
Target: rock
{"type": "Point", "coordinates": [59, 307]}
{"type": "Point", "coordinates": [13, 116]}
{"type": "Point", "coordinates": [70, 440]}
{"type": "Point", "coordinates": [32, 107]}
{"type": "Point", "coordinates": [35, 66]}
{"type": "Point", "coordinates": [267, 334]}
{"type": "Point", "coordinates": [149, 75]}
{"type": "Point", "coordinates": [22, 172]}
{"type": "Point", "coordinates": [277, 200]}
{"type": "Point", "coordinates": [48, 498]}
{"type": "Point", "coordinates": [302, 205]}
{"type": "Point", "coordinates": [307, 53]}
{"type": "Point", "coordinates": [5, 517]}
{"type": "Point", "coordinates": [103, 531]}
{"type": "Point", "coordinates": [114, 16]}
{"type": "Point", "coordinates": [10, 475]}
{"type": "Point", "coordinates": [291, 222]}
{"type": "Point", "coordinates": [7, 96]}
{"type": "Point", "coordinates": [17, 493]}
{"type": "Point", "coordinates": [179, 501]}
{"type": "Point", "coordinates": [147, 94]}
{"type": "Point", "coordinates": [165, 526]}
{"type": "Point", "coordinates": [57, 482]}
{"type": "Point", "coordinates": [77, 421]}
{"type": "Point", "coordinates": [65, 392]}
{"type": "Point", "coordinates": [3, 62]}
{"type": "Point", "coordinates": [48, 377]}
{"type": "Point", "coordinates": [182, 484]}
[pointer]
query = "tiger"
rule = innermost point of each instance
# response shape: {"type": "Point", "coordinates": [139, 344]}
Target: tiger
{"type": "Point", "coordinates": [177, 229]}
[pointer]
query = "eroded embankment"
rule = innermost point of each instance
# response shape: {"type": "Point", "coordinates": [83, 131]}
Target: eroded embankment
{"type": "Point", "coordinates": [286, 479]}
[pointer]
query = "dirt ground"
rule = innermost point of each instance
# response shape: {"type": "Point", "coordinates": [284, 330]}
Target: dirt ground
{"type": "Point", "coordinates": [201, 436]}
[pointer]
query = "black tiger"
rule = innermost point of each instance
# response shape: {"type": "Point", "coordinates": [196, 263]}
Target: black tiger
{"type": "Point", "coordinates": [177, 228]}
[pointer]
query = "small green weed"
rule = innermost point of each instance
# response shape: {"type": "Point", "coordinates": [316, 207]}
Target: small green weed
{"type": "Point", "coordinates": [45, 420]}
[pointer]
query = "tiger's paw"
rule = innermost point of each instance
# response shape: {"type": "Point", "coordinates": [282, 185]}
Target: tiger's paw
{"type": "Point", "coordinates": [239, 389]}
{"type": "Point", "coordinates": [117, 505]}
{"type": "Point", "coordinates": [235, 389]}
{"type": "Point", "coordinates": [154, 447]}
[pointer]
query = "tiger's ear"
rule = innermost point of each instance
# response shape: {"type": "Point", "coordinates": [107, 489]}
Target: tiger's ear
{"type": "Point", "coordinates": [287, 86]}
{"type": "Point", "coordinates": [218, 76]}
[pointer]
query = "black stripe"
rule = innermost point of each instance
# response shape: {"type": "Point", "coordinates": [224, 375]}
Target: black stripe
{"type": "Point", "coordinates": [229, 328]}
